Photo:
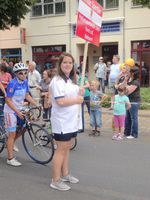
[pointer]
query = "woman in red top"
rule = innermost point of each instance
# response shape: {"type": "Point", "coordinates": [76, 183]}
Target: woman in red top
{"type": "Point", "coordinates": [5, 77]}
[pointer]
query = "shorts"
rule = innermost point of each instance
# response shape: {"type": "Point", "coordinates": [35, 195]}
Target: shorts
{"type": "Point", "coordinates": [119, 121]}
{"type": "Point", "coordinates": [64, 137]}
{"type": "Point", "coordinates": [12, 121]}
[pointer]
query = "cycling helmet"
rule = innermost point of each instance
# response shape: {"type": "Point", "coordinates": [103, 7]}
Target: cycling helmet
{"type": "Point", "coordinates": [130, 62]}
{"type": "Point", "coordinates": [19, 67]}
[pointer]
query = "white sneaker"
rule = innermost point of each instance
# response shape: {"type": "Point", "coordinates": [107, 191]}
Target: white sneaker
{"type": "Point", "coordinates": [14, 162]}
{"type": "Point", "coordinates": [119, 138]}
{"type": "Point", "coordinates": [114, 137]}
{"type": "Point", "coordinates": [69, 178]}
{"type": "Point", "coordinates": [130, 137]}
{"type": "Point", "coordinates": [15, 148]}
{"type": "Point", "coordinates": [60, 185]}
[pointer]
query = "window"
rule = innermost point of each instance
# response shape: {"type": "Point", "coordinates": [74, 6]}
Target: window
{"type": "Point", "coordinates": [112, 4]}
{"type": "Point", "coordinates": [108, 4]}
{"type": "Point", "coordinates": [48, 7]}
{"type": "Point", "coordinates": [100, 2]}
{"type": "Point", "coordinates": [111, 27]}
{"type": "Point", "coordinates": [135, 3]}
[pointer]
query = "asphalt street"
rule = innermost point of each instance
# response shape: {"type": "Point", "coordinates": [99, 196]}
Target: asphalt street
{"type": "Point", "coordinates": [107, 169]}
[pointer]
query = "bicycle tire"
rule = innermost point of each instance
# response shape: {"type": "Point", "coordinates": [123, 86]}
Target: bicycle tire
{"type": "Point", "coordinates": [35, 113]}
{"type": "Point", "coordinates": [74, 143]}
{"type": "Point", "coordinates": [2, 140]}
{"type": "Point", "coordinates": [34, 146]}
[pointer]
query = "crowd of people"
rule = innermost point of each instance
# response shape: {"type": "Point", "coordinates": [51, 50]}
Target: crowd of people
{"type": "Point", "coordinates": [63, 97]}
{"type": "Point", "coordinates": [124, 88]}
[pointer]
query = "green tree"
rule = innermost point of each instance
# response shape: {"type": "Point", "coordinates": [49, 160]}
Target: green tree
{"type": "Point", "coordinates": [12, 11]}
{"type": "Point", "coordinates": [142, 2]}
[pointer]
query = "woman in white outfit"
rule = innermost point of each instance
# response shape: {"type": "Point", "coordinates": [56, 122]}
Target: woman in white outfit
{"type": "Point", "coordinates": [66, 97]}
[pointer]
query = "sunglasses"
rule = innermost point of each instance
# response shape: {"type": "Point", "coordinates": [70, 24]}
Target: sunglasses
{"type": "Point", "coordinates": [22, 73]}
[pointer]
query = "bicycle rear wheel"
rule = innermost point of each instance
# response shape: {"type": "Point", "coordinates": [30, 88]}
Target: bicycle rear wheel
{"type": "Point", "coordinates": [34, 143]}
{"type": "Point", "coordinates": [74, 143]}
{"type": "Point", "coordinates": [2, 140]}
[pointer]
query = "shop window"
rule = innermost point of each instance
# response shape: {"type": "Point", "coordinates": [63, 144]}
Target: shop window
{"type": "Point", "coordinates": [46, 57]}
{"type": "Point", "coordinates": [11, 54]}
{"type": "Point", "coordinates": [49, 7]}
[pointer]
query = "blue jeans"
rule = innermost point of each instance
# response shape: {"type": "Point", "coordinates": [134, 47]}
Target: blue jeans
{"type": "Point", "coordinates": [102, 84]}
{"type": "Point", "coordinates": [87, 102]}
{"type": "Point", "coordinates": [131, 121]}
{"type": "Point", "coordinates": [96, 118]}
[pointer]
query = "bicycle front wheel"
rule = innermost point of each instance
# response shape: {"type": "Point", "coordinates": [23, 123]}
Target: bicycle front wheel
{"type": "Point", "coordinates": [34, 143]}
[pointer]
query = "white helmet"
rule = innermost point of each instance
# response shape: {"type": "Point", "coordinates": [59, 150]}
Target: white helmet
{"type": "Point", "coordinates": [19, 67]}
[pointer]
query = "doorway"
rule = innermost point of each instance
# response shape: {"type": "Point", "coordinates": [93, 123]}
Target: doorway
{"type": "Point", "coordinates": [108, 51]}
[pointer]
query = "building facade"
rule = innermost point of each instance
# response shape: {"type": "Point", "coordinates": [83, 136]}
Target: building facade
{"type": "Point", "coordinates": [49, 29]}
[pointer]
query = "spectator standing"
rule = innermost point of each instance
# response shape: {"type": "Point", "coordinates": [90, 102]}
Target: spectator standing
{"type": "Point", "coordinates": [2, 101]}
{"type": "Point", "coordinates": [114, 72]}
{"type": "Point", "coordinates": [121, 104]}
{"type": "Point", "coordinates": [87, 91]}
{"type": "Point", "coordinates": [34, 79]}
{"type": "Point", "coordinates": [10, 68]}
{"type": "Point", "coordinates": [96, 98]}
{"type": "Point", "coordinates": [133, 91]}
{"type": "Point", "coordinates": [66, 98]}
{"type": "Point", "coordinates": [100, 69]}
{"type": "Point", "coordinates": [107, 72]}
{"type": "Point", "coordinates": [86, 86]}
{"type": "Point", "coordinates": [123, 77]}
{"type": "Point", "coordinates": [44, 88]}
{"type": "Point", "coordinates": [5, 78]}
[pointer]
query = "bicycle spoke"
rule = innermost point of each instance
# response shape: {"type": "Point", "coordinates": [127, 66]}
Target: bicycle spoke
{"type": "Point", "coordinates": [34, 143]}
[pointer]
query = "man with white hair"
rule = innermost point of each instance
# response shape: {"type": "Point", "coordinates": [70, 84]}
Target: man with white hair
{"type": "Point", "coordinates": [34, 79]}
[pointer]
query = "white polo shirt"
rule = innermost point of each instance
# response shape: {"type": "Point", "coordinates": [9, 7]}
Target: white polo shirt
{"type": "Point", "coordinates": [64, 119]}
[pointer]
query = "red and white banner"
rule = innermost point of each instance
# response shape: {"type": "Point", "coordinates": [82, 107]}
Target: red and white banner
{"type": "Point", "coordinates": [89, 21]}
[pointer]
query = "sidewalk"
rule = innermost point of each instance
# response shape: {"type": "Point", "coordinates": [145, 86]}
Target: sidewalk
{"type": "Point", "coordinates": [144, 122]}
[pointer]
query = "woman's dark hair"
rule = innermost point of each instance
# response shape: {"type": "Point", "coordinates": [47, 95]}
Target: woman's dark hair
{"type": "Point", "coordinates": [61, 73]}
{"type": "Point", "coordinates": [135, 72]}
{"type": "Point", "coordinates": [48, 72]}
{"type": "Point", "coordinates": [3, 67]}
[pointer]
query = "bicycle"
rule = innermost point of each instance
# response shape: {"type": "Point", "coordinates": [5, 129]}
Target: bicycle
{"type": "Point", "coordinates": [47, 125]}
{"type": "Point", "coordinates": [33, 140]}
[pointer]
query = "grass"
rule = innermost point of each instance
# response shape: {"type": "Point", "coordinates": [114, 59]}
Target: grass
{"type": "Point", "coordinates": [145, 99]}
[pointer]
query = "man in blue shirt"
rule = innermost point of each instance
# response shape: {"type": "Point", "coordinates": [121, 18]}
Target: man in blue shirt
{"type": "Point", "coordinates": [17, 92]}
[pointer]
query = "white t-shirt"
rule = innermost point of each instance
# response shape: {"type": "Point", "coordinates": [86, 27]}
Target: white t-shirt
{"type": "Point", "coordinates": [114, 71]}
{"type": "Point", "coordinates": [64, 119]}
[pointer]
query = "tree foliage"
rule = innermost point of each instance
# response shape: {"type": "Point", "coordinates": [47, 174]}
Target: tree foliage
{"type": "Point", "coordinates": [12, 11]}
{"type": "Point", "coordinates": [142, 2]}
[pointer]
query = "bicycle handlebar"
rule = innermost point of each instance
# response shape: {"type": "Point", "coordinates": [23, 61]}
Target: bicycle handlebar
{"type": "Point", "coordinates": [31, 112]}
